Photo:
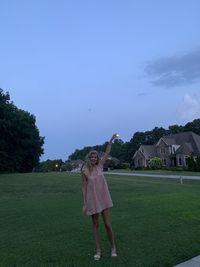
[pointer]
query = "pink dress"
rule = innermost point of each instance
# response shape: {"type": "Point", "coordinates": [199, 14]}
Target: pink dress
{"type": "Point", "coordinates": [97, 194]}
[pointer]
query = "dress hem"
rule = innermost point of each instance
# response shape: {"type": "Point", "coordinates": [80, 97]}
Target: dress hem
{"type": "Point", "coordinates": [91, 213]}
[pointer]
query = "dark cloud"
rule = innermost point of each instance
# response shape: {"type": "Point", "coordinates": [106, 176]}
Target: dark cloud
{"type": "Point", "coordinates": [175, 70]}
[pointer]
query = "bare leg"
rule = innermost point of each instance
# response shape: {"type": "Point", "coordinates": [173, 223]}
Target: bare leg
{"type": "Point", "coordinates": [95, 226]}
{"type": "Point", "coordinates": [106, 219]}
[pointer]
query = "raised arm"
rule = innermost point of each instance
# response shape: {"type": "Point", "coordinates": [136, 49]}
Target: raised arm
{"type": "Point", "coordinates": [108, 149]}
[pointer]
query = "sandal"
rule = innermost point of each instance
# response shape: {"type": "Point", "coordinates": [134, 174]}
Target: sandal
{"type": "Point", "coordinates": [97, 256]}
{"type": "Point", "coordinates": [113, 253]}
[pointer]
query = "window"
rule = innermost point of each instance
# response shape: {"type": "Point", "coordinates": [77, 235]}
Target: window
{"type": "Point", "coordinates": [186, 161]}
{"type": "Point", "coordinates": [164, 162]}
{"type": "Point", "coordinates": [162, 150]}
{"type": "Point", "coordinates": [180, 161]}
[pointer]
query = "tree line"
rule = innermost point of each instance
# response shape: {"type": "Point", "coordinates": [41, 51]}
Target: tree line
{"type": "Point", "coordinates": [124, 151]}
{"type": "Point", "coordinates": [21, 144]}
{"type": "Point", "coordinates": [20, 141]}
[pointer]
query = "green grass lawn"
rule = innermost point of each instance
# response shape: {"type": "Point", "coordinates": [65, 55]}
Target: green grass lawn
{"type": "Point", "coordinates": [156, 222]}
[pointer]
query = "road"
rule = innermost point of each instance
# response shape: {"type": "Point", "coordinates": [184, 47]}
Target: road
{"type": "Point", "coordinates": [168, 176]}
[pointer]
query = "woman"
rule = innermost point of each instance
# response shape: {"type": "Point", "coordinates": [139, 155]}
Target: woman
{"type": "Point", "coordinates": [96, 196]}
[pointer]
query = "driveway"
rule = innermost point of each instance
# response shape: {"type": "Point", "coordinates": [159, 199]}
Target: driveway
{"type": "Point", "coordinates": [168, 176]}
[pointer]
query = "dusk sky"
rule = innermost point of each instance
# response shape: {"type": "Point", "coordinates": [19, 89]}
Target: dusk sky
{"type": "Point", "coordinates": [87, 69]}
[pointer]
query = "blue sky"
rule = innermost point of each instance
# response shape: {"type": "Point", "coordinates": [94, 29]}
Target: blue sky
{"type": "Point", "coordinates": [87, 69]}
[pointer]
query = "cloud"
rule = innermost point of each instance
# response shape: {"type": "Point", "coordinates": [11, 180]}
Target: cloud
{"type": "Point", "coordinates": [190, 109]}
{"type": "Point", "coordinates": [175, 70]}
{"type": "Point", "coordinates": [142, 94]}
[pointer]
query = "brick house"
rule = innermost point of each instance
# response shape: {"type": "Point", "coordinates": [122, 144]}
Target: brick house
{"type": "Point", "coordinates": [173, 150]}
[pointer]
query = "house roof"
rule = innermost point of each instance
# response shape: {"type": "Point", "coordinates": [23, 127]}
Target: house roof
{"type": "Point", "coordinates": [148, 150]}
{"type": "Point", "coordinates": [187, 137]}
{"type": "Point", "coordinates": [197, 143]}
{"type": "Point", "coordinates": [185, 149]}
{"type": "Point", "coordinates": [189, 143]}
{"type": "Point", "coordinates": [139, 153]}
{"type": "Point", "coordinates": [169, 141]}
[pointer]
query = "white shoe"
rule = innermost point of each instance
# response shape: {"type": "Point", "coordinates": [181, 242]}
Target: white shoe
{"type": "Point", "coordinates": [97, 256]}
{"type": "Point", "coordinates": [113, 253]}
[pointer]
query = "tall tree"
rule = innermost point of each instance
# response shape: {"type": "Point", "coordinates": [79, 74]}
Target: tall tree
{"type": "Point", "coordinates": [193, 126]}
{"type": "Point", "coordinates": [151, 137]}
{"type": "Point", "coordinates": [20, 142]}
{"type": "Point", "coordinates": [173, 129]}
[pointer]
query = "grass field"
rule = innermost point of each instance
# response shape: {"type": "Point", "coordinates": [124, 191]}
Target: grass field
{"type": "Point", "coordinates": [156, 222]}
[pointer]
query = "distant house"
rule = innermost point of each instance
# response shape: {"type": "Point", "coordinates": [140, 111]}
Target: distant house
{"type": "Point", "coordinates": [76, 165]}
{"type": "Point", "coordinates": [173, 150]}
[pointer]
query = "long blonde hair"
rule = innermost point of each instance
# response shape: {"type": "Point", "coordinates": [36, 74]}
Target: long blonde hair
{"type": "Point", "coordinates": [87, 165]}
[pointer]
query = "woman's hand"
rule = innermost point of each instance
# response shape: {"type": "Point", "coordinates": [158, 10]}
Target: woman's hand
{"type": "Point", "coordinates": [114, 137]}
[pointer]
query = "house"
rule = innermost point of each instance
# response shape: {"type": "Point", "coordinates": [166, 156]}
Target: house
{"type": "Point", "coordinates": [76, 165]}
{"type": "Point", "coordinates": [173, 150]}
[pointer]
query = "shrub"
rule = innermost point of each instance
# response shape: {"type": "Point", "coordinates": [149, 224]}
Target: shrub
{"type": "Point", "coordinates": [194, 164]}
{"type": "Point", "coordinates": [155, 163]}
{"type": "Point", "coordinates": [125, 165]}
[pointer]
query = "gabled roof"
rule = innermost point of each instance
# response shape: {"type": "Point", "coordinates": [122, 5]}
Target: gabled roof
{"type": "Point", "coordinates": [185, 137]}
{"type": "Point", "coordinates": [196, 138]}
{"type": "Point", "coordinates": [169, 141]}
{"type": "Point", "coordinates": [138, 152]}
{"type": "Point", "coordinates": [185, 149]}
{"type": "Point", "coordinates": [148, 150]}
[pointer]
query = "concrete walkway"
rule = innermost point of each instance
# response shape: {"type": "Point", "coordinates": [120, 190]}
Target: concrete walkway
{"type": "Point", "coordinates": [187, 177]}
{"type": "Point", "coordinates": [194, 262]}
